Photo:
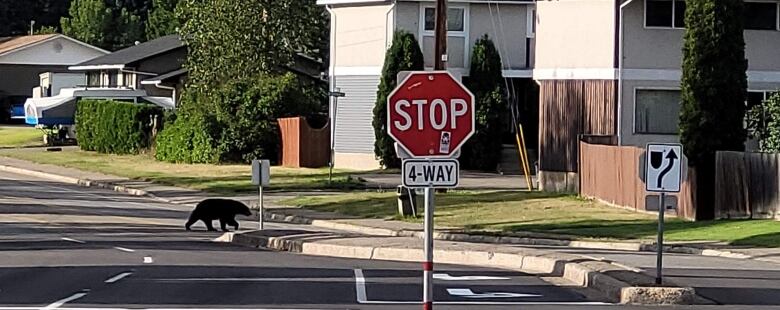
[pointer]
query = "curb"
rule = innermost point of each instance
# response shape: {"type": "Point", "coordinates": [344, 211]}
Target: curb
{"type": "Point", "coordinates": [592, 274]}
{"type": "Point", "coordinates": [462, 237]}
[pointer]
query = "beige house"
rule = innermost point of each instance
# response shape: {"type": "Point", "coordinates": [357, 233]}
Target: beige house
{"type": "Point", "coordinates": [361, 32]}
{"type": "Point", "coordinates": [613, 68]}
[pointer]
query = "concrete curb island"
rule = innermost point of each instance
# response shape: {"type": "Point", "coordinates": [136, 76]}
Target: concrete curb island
{"type": "Point", "coordinates": [613, 280]}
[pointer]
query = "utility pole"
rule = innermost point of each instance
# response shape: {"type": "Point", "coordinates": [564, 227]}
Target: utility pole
{"type": "Point", "coordinates": [440, 60]}
{"type": "Point", "coordinates": [441, 35]}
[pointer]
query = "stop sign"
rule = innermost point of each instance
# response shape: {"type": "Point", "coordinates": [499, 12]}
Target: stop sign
{"type": "Point", "coordinates": [430, 114]}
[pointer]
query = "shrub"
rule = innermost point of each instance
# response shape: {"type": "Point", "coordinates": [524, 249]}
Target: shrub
{"type": "Point", "coordinates": [483, 150]}
{"type": "Point", "coordinates": [764, 124]}
{"type": "Point", "coordinates": [237, 123]}
{"type": "Point", "coordinates": [186, 139]}
{"type": "Point", "coordinates": [404, 55]}
{"type": "Point", "coordinates": [115, 127]}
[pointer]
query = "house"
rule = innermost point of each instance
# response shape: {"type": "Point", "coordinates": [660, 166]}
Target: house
{"type": "Point", "coordinates": [149, 72]}
{"type": "Point", "coordinates": [361, 32]}
{"type": "Point", "coordinates": [24, 58]}
{"type": "Point", "coordinates": [612, 69]}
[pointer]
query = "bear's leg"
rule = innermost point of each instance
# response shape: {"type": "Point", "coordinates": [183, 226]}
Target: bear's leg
{"type": "Point", "coordinates": [233, 222]}
{"type": "Point", "coordinates": [223, 224]}
{"type": "Point", "coordinates": [189, 223]}
{"type": "Point", "coordinates": [208, 225]}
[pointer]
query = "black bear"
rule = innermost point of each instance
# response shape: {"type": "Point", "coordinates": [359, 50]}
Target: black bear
{"type": "Point", "coordinates": [224, 210]}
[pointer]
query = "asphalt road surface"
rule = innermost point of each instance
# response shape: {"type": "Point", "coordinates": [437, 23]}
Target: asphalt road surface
{"type": "Point", "coordinates": [63, 246]}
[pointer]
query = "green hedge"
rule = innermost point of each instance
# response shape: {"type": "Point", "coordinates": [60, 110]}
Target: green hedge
{"type": "Point", "coordinates": [186, 139]}
{"type": "Point", "coordinates": [114, 127]}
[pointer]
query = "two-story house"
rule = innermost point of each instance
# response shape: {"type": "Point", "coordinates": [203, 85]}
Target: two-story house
{"type": "Point", "coordinates": [613, 68]}
{"type": "Point", "coordinates": [361, 33]}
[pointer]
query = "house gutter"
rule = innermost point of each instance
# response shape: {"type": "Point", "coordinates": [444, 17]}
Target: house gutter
{"type": "Point", "coordinates": [620, 74]}
{"type": "Point", "coordinates": [159, 85]}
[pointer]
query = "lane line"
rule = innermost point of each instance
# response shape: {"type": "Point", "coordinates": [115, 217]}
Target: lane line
{"type": "Point", "coordinates": [61, 302]}
{"type": "Point", "coordinates": [73, 240]}
{"type": "Point", "coordinates": [148, 260]}
{"type": "Point", "coordinates": [124, 249]}
{"type": "Point", "coordinates": [118, 277]}
{"type": "Point", "coordinates": [360, 286]}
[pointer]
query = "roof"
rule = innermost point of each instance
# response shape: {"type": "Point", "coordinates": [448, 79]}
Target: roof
{"type": "Point", "coordinates": [10, 44]}
{"type": "Point", "coordinates": [161, 78]}
{"type": "Point", "coordinates": [120, 58]}
{"type": "Point", "coordinates": [361, 2]}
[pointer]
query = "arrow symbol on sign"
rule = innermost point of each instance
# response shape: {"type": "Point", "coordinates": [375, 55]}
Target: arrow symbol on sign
{"type": "Point", "coordinates": [671, 157]}
{"type": "Point", "coordinates": [467, 293]}
{"type": "Point", "coordinates": [447, 277]}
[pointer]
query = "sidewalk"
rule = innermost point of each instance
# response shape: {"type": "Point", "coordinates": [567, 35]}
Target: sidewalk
{"type": "Point", "coordinates": [602, 265]}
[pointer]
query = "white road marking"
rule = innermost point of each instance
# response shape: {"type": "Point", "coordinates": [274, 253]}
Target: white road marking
{"type": "Point", "coordinates": [468, 293]}
{"type": "Point", "coordinates": [360, 286]}
{"type": "Point", "coordinates": [360, 291]}
{"type": "Point", "coordinates": [326, 280]}
{"type": "Point", "coordinates": [61, 302]}
{"type": "Point", "coordinates": [118, 277]}
{"type": "Point", "coordinates": [447, 277]}
{"type": "Point", "coordinates": [148, 260]}
{"type": "Point", "coordinates": [38, 308]}
{"type": "Point", "coordinates": [73, 240]}
{"type": "Point", "coordinates": [124, 249]}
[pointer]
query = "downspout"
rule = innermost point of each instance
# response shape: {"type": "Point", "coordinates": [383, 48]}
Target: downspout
{"type": "Point", "coordinates": [391, 30]}
{"type": "Point", "coordinates": [172, 89]}
{"type": "Point", "coordinates": [620, 74]}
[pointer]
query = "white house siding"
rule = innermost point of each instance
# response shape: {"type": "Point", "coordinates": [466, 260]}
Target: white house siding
{"type": "Point", "coordinates": [57, 51]}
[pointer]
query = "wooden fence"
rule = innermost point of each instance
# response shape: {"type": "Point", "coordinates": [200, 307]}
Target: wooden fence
{"type": "Point", "coordinates": [613, 175]}
{"type": "Point", "coordinates": [747, 185]}
{"type": "Point", "coordinates": [303, 146]}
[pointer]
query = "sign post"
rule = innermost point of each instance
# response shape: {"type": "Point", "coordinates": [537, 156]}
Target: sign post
{"type": "Point", "coordinates": [663, 174]}
{"type": "Point", "coordinates": [431, 115]}
{"type": "Point", "coordinates": [261, 176]}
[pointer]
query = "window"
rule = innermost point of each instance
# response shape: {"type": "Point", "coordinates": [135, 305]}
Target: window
{"type": "Point", "coordinates": [656, 111]}
{"type": "Point", "coordinates": [93, 79]}
{"type": "Point", "coordinates": [531, 23]}
{"type": "Point", "coordinates": [761, 15]}
{"type": "Point", "coordinates": [455, 19]}
{"type": "Point", "coordinates": [665, 13]}
{"type": "Point", "coordinates": [755, 98]}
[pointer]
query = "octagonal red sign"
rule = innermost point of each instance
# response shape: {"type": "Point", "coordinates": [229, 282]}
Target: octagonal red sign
{"type": "Point", "coordinates": [430, 114]}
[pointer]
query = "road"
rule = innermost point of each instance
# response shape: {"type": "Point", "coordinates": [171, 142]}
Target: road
{"type": "Point", "coordinates": [68, 247]}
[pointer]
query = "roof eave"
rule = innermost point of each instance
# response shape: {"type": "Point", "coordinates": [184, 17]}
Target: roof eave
{"type": "Point", "coordinates": [96, 67]}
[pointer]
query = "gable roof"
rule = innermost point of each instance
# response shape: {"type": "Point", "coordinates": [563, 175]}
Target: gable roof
{"type": "Point", "coordinates": [120, 58]}
{"type": "Point", "coordinates": [10, 44]}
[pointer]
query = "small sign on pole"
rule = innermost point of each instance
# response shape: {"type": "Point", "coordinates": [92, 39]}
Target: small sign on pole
{"type": "Point", "coordinates": [437, 173]}
{"type": "Point", "coordinates": [261, 176]}
{"type": "Point", "coordinates": [663, 174]}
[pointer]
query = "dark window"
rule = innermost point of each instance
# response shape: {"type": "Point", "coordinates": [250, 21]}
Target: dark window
{"type": "Point", "coordinates": [754, 98]}
{"type": "Point", "coordinates": [657, 111]}
{"type": "Point", "coordinates": [761, 15]}
{"type": "Point", "coordinates": [665, 13]}
{"type": "Point", "coordinates": [679, 14]}
{"type": "Point", "coordinates": [455, 19]}
{"type": "Point", "coordinates": [93, 79]}
{"type": "Point", "coordinates": [659, 13]}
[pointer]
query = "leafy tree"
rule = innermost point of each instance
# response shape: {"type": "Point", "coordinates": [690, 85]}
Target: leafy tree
{"type": "Point", "coordinates": [764, 124]}
{"type": "Point", "coordinates": [404, 55]}
{"type": "Point", "coordinates": [88, 22]}
{"type": "Point", "coordinates": [233, 39]}
{"type": "Point", "coordinates": [93, 22]}
{"type": "Point", "coordinates": [714, 85]}
{"type": "Point", "coordinates": [46, 30]}
{"type": "Point", "coordinates": [483, 150]}
{"type": "Point", "coordinates": [161, 19]}
{"type": "Point", "coordinates": [16, 15]}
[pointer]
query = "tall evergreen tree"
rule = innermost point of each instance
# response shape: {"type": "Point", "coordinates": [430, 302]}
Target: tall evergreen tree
{"type": "Point", "coordinates": [161, 19]}
{"type": "Point", "coordinates": [404, 55]}
{"type": "Point", "coordinates": [108, 27]}
{"type": "Point", "coordinates": [714, 86]}
{"type": "Point", "coordinates": [88, 22]}
{"type": "Point", "coordinates": [483, 150]}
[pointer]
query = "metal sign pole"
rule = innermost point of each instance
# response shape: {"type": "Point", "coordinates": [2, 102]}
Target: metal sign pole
{"type": "Point", "coordinates": [260, 203]}
{"type": "Point", "coordinates": [660, 242]}
{"type": "Point", "coordinates": [428, 264]}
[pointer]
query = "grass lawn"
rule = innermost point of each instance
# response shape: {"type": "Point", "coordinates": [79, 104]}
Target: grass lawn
{"type": "Point", "coordinates": [548, 213]}
{"type": "Point", "coordinates": [223, 179]}
{"type": "Point", "coordinates": [20, 136]}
